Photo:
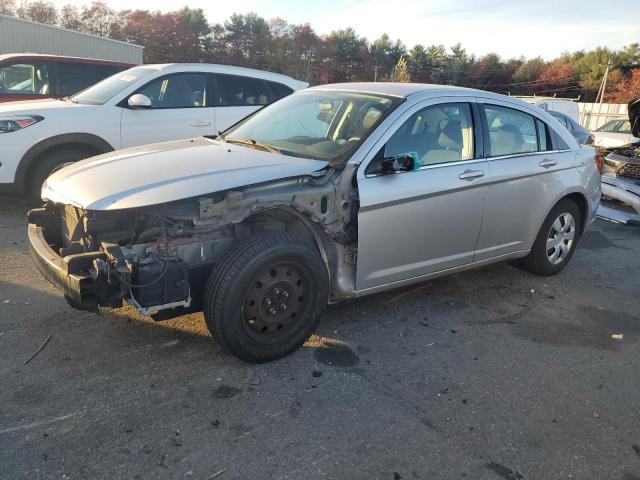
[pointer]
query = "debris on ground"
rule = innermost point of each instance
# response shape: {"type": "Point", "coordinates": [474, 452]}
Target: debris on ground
{"type": "Point", "coordinates": [44, 344]}
{"type": "Point", "coordinates": [617, 336]}
{"type": "Point", "coordinates": [217, 474]}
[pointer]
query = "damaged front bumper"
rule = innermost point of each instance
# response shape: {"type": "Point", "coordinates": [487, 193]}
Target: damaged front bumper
{"type": "Point", "coordinates": [72, 274]}
{"type": "Point", "coordinates": [621, 199]}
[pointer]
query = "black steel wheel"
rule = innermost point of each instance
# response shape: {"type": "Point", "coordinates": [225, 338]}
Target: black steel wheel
{"type": "Point", "coordinates": [266, 297]}
{"type": "Point", "coordinates": [275, 301]}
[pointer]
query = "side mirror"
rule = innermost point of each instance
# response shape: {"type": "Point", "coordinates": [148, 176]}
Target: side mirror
{"type": "Point", "coordinates": [139, 101]}
{"type": "Point", "coordinates": [405, 162]}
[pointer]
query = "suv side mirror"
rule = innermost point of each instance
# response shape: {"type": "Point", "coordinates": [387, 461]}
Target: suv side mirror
{"type": "Point", "coordinates": [405, 162]}
{"type": "Point", "coordinates": [139, 101]}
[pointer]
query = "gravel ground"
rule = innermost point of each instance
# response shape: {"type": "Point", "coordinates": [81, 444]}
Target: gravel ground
{"type": "Point", "coordinates": [492, 374]}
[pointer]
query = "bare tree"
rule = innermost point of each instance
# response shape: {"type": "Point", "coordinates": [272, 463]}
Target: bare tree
{"type": "Point", "coordinates": [38, 11]}
{"type": "Point", "coordinates": [7, 7]}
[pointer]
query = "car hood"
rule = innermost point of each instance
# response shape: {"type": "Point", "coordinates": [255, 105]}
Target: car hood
{"type": "Point", "coordinates": [37, 106]}
{"type": "Point", "coordinates": [634, 117]}
{"type": "Point", "coordinates": [169, 171]}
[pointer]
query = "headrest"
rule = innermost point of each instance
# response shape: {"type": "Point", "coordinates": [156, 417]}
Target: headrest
{"type": "Point", "coordinates": [450, 134]}
{"type": "Point", "coordinates": [371, 117]}
{"type": "Point", "coordinates": [509, 133]}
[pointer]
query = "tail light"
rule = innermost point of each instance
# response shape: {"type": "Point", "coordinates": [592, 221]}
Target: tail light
{"type": "Point", "coordinates": [599, 161]}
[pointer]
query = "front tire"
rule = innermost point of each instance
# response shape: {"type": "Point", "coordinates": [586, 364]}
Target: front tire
{"type": "Point", "coordinates": [556, 240]}
{"type": "Point", "coordinates": [266, 297]}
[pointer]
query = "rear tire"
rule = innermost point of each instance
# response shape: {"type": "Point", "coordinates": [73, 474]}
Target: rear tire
{"type": "Point", "coordinates": [556, 240]}
{"type": "Point", "coordinates": [266, 297]}
{"type": "Point", "coordinates": [48, 163]}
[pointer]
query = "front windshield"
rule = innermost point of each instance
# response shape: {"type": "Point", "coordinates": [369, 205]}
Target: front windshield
{"type": "Point", "coordinates": [321, 124]}
{"type": "Point", "coordinates": [103, 91]}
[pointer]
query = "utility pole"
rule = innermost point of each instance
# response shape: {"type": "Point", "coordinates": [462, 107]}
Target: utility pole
{"type": "Point", "coordinates": [603, 85]}
{"type": "Point", "coordinates": [375, 73]}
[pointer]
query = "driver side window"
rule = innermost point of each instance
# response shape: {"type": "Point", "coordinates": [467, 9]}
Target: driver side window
{"type": "Point", "coordinates": [436, 134]}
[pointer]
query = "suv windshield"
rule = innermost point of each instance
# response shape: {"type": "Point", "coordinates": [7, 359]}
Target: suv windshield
{"type": "Point", "coordinates": [103, 91]}
{"type": "Point", "coordinates": [326, 125]}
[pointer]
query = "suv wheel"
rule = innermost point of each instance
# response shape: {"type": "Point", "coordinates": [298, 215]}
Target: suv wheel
{"type": "Point", "coordinates": [556, 240]}
{"type": "Point", "coordinates": [48, 163]}
{"type": "Point", "coordinates": [266, 297]}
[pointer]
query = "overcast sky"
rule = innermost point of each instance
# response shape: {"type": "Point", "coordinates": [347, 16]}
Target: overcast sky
{"type": "Point", "coordinates": [510, 28]}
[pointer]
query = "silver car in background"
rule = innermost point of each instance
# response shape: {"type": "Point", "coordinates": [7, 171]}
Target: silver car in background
{"type": "Point", "coordinates": [331, 193]}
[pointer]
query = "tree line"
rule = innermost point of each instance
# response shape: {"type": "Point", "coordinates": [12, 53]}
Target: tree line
{"type": "Point", "coordinates": [297, 50]}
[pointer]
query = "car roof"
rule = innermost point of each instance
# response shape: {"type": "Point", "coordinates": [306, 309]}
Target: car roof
{"type": "Point", "coordinates": [406, 89]}
{"type": "Point", "coordinates": [423, 90]}
{"type": "Point", "coordinates": [43, 56]}
{"type": "Point", "coordinates": [231, 70]}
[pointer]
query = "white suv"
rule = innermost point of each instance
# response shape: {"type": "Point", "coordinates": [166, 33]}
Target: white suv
{"type": "Point", "coordinates": [145, 104]}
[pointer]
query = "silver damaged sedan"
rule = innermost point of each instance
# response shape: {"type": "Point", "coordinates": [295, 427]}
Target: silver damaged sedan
{"type": "Point", "coordinates": [331, 193]}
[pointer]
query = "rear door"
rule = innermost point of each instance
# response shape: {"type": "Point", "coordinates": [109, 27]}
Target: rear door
{"type": "Point", "coordinates": [527, 170]}
{"type": "Point", "coordinates": [237, 96]}
{"type": "Point", "coordinates": [181, 107]}
{"type": "Point", "coordinates": [414, 223]}
{"type": "Point", "coordinates": [72, 77]}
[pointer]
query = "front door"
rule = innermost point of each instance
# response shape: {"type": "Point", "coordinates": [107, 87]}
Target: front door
{"type": "Point", "coordinates": [427, 220]}
{"type": "Point", "coordinates": [180, 108]}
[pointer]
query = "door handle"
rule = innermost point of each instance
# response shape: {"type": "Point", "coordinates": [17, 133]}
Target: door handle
{"type": "Point", "coordinates": [471, 174]}
{"type": "Point", "coordinates": [200, 124]}
{"type": "Point", "coordinates": [546, 163]}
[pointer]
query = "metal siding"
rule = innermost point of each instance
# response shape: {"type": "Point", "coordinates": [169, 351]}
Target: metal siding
{"type": "Point", "coordinates": [21, 36]}
{"type": "Point", "coordinates": [594, 115]}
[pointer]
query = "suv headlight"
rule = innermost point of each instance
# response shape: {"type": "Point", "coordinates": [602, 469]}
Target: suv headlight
{"type": "Point", "coordinates": [14, 123]}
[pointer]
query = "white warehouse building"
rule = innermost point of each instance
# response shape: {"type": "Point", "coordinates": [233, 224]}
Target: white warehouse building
{"type": "Point", "coordinates": [23, 36]}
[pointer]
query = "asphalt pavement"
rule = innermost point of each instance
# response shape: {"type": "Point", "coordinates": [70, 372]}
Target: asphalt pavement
{"type": "Point", "coordinates": [491, 374]}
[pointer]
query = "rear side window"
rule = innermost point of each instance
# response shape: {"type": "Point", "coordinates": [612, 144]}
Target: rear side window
{"type": "Point", "coordinates": [29, 78]}
{"type": "Point", "coordinates": [104, 71]}
{"type": "Point", "coordinates": [562, 145]}
{"type": "Point", "coordinates": [278, 90]}
{"type": "Point", "coordinates": [511, 131]}
{"type": "Point", "coordinates": [544, 136]}
{"type": "Point", "coordinates": [178, 91]}
{"type": "Point", "coordinates": [74, 77]}
{"type": "Point", "coordinates": [239, 91]}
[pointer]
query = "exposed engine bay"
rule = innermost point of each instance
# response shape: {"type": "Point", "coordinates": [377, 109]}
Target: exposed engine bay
{"type": "Point", "coordinates": [158, 258]}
